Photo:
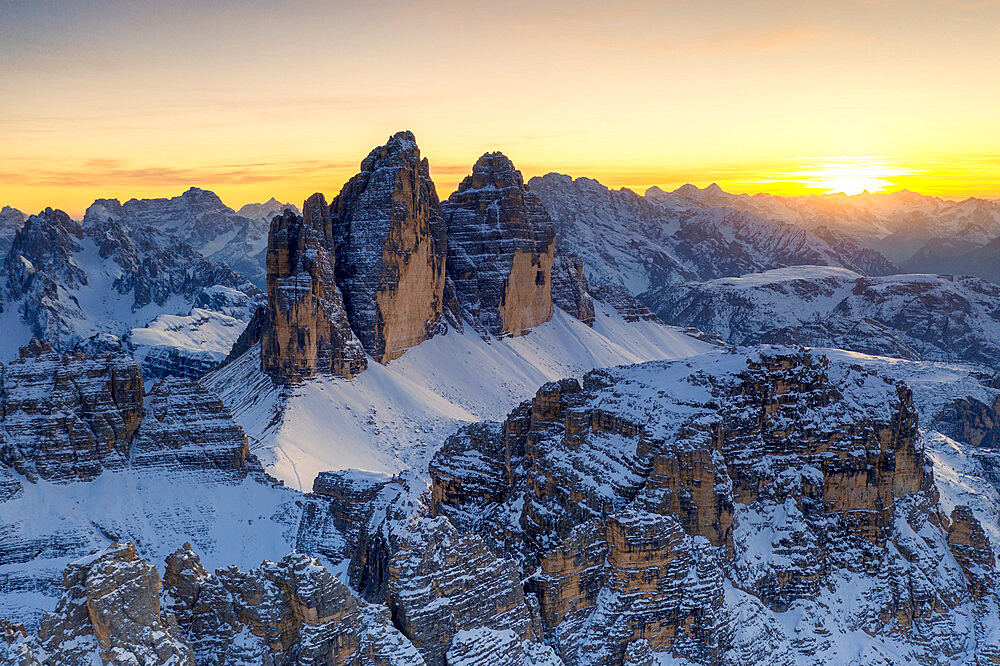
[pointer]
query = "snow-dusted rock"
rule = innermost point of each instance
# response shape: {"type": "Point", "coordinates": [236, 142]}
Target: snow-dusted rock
{"type": "Point", "coordinates": [656, 502]}
{"type": "Point", "coordinates": [570, 290]}
{"type": "Point", "coordinates": [65, 417]}
{"type": "Point", "coordinates": [306, 329]}
{"type": "Point", "coordinates": [109, 613]}
{"type": "Point", "coordinates": [390, 246]}
{"type": "Point", "coordinates": [283, 613]}
{"type": "Point", "coordinates": [441, 583]}
{"type": "Point", "coordinates": [501, 245]}
{"type": "Point", "coordinates": [908, 316]}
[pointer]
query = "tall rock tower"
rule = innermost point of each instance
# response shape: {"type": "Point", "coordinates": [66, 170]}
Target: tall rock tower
{"type": "Point", "coordinates": [306, 330]}
{"type": "Point", "coordinates": [501, 244]}
{"type": "Point", "coordinates": [390, 246]}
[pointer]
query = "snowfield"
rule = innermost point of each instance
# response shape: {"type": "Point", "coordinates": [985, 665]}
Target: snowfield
{"type": "Point", "coordinates": [394, 417]}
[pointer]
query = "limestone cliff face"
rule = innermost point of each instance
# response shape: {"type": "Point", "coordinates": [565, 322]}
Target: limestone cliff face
{"type": "Point", "coordinates": [306, 329]}
{"type": "Point", "coordinates": [65, 417]}
{"type": "Point", "coordinates": [441, 583]}
{"type": "Point", "coordinates": [633, 502]}
{"type": "Point", "coordinates": [390, 246]}
{"type": "Point", "coordinates": [288, 612]}
{"type": "Point", "coordinates": [501, 246]}
{"type": "Point", "coordinates": [109, 613]}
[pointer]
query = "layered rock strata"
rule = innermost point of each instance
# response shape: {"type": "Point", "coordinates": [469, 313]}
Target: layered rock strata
{"type": "Point", "coordinates": [109, 613]}
{"type": "Point", "coordinates": [633, 503]}
{"type": "Point", "coordinates": [501, 246]}
{"type": "Point", "coordinates": [306, 329]}
{"type": "Point", "coordinates": [391, 248]}
{"type": "Point", "coordinates": [569, 288]}
{"type": "Point", "coordinates": [283, 613]}
{"type": "Point", "coordinates": [67, 416]}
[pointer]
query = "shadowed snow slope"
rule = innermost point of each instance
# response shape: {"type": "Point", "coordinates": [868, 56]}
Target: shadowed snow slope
{"type": "Point", "coordinates": [393, 417]}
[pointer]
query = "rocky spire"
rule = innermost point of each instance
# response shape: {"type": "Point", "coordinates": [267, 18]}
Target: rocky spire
{"type": "Point", "coordinates": [306, 330]}
{"type": "Point", "coordinates": [390, 245]}
{"type": "Point", "coordinates": [500, 249]}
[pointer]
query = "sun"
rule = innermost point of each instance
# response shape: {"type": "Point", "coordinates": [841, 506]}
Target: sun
{"type": "Point", "coordinates": [849, 175]}
{"type": "Point", "coordinates": [852, 184]}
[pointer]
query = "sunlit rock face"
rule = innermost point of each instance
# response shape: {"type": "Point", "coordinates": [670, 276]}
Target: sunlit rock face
{"type": "Point", "coordinates": [306, 329]}
{"type": "Point", "coordinates": [656, 508]}
{"type": "Point", "coordinates": [390, 247]}
{"type": "Point", "coordinates": [501, 246]}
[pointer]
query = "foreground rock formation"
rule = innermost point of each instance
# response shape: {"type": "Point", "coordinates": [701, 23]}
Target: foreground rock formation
{"type": "Point", "coordinates": [655, 506]}
{"type": "Point", "coordinates": [501, 245]}
{"type": "Point", "coordinates": [306, 330]}
{"type": "Point", "coordinates": [713, 509]}
{"type": "Point", "coordinates": [109, 613]}
{"type": "Point", "coordinates": [390, 245]}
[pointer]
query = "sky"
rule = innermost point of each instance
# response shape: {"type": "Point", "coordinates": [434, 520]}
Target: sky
{"type": "Point", "coordinates": [258, 99]}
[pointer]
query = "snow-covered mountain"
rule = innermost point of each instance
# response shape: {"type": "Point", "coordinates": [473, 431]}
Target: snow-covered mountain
{"type": "Point", "coordinates": [936, 317]}
{"type": "Point", "coordinates": [957, 256]}
{"type": "Point", "coordinates": [265, 212]}
{"type": "Point", "coordinates": [895, 223]}
{"type": "Point", "coordinates": [451, 434]}
{"type": "Point", "coordinates": [66, 283]}
{"type": "Point", "coordinates": [11, 219]}
{"type": "Point", "coordinates": [643, 243]}
{"type": "Point", "coordinates": [200, 219]}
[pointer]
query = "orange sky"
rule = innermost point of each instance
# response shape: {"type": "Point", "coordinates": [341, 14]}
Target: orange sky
{"type": "Point", "coordinates": [254, 99]}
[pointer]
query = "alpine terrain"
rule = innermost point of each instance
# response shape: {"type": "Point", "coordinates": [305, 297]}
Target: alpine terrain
{"type": "Point", "coordinates": [529, 423]}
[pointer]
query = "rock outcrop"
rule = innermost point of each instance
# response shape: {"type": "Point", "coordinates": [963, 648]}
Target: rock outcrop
{"type": "Point", "coordinates": [306, 329]}
{"type": "Point", "coordinates": [67, 416]}
{"type": "Point", "coordinates": [441, 583]}
{"type": "Point", "coordinates": [501, 245]}
{"type": "Point", "coordinates": [390, 246]}
{"type": "Point", "coordinates": [184, 427]}
{"type": "Point", "coordinates": [624, 303]}
{"type": "Point", "coordinates": [637, 503]}
{"type": "Point", "coordinates": [109, 613]}
{"type": "Point", "coordinates": [569, 288]}
{"type": "Point", "coordinates": [971, 547]}
{"type": "Point", "coordinates": [288, 612]}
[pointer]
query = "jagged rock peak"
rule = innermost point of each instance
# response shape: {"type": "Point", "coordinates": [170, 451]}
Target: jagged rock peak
{"type": "Point", "coordinates": [390, 245]}
{"type": "Point", "coordinates": [306, 330]}
{"type": "Point", "coordinates": [109, 613]}
{"type": "Point", "coordinates": [501, 245]}
{"type": "Point", "coordinates": [492, 170]}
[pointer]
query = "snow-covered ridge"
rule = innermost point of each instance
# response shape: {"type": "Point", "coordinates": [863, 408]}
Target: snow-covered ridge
{"type": "Point", "coordinates": [645, 243]}
{"type": "Point", "coordinates": [934, 317]}
{"type": "Point", "coordinates": [392, 417]}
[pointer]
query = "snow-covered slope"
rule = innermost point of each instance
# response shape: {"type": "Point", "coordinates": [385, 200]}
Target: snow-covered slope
{"type": "Point", "coordinates": [393, 417]}
{"type": "Point", "coordinates": [643, 243]}
{"type": "Point", "coordinates": [910, 316]}
{"type": "Point", "coordinates": [65, 283]}
{"type": "Point", "coordinates": [53, 524]}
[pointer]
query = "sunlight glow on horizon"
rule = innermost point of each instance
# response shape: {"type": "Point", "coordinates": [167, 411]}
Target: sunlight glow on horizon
{"type": "Point", "coordinates": [144, 99]}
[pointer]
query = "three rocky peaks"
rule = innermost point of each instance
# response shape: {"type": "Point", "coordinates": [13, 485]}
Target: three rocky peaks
{"type": "Point", "coordinates": [378, 269]}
